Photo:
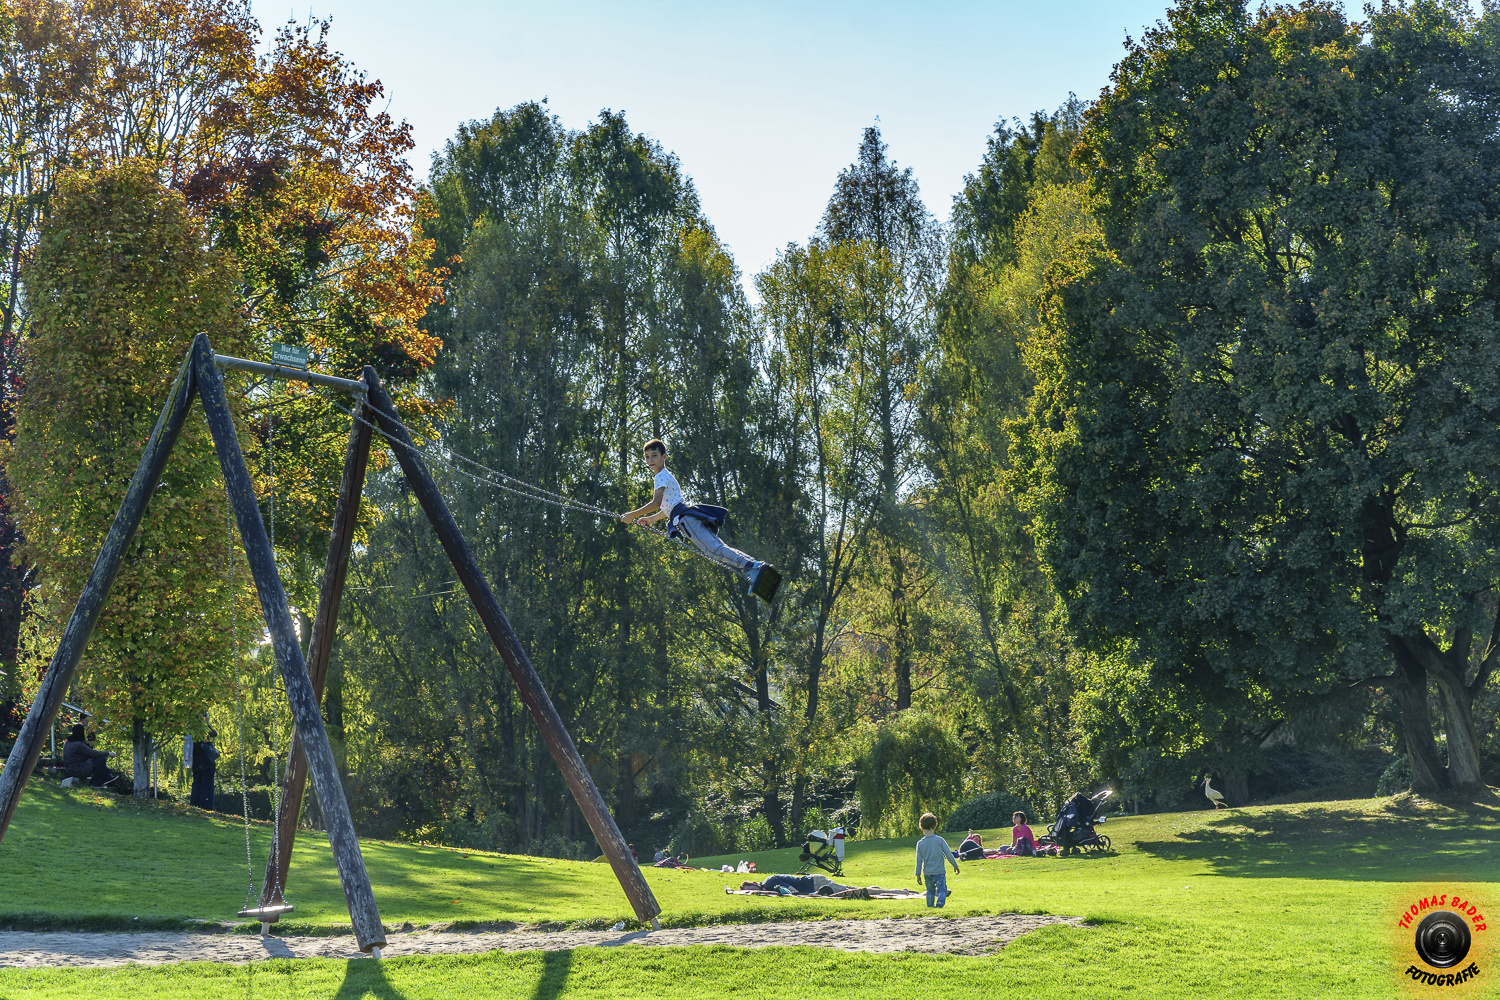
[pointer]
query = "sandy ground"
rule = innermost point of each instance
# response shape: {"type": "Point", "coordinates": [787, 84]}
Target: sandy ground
{"type": "Point", "coordinates": [934, 935]}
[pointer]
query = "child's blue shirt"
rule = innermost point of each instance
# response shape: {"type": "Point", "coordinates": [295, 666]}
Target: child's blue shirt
{"type": "Point", "coordinates": [932, 851]}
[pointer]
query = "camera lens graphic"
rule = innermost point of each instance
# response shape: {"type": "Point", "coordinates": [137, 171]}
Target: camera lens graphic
{"type": "Point", "coordinates": [1442, 939]}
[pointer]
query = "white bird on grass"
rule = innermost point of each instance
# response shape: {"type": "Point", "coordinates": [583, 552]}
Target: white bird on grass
{"type": "Point", "coordinates": [1213, 794]}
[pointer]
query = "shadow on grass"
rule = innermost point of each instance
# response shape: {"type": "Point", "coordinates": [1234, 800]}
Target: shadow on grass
{"type": "Point", "coordinates": [555, 968]}
{"type": "Point", "coordinates": [364, 977]}
{"type": "Point", "coordinates": [1406, 840]}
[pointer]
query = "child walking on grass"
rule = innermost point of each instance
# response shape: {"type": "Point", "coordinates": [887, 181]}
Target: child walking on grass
{"type": "Point", "coordinates": [933, 853]}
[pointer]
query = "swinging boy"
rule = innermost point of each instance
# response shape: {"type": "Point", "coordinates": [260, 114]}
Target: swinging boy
{"type": "Point", "coordinates": [700, 523]}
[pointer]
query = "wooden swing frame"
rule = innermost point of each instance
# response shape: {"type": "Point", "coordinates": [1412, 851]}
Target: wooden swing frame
{"type": "Point", "coordinates": [311, 753]}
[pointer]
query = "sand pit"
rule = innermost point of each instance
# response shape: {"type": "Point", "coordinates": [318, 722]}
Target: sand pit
{"type": "Point", "coordinates": [932, 935]}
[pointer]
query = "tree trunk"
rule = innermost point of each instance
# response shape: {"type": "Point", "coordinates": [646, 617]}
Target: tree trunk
{"type": "Point", "coordinates": [799, 800]}
{"type": "Point", "coordinates": [771, 806]}
{"type": "Point", "coordinates": [1448, 669]}
{"type": "Point", "coordinates": [625, 814]}
{"type": "Point", "coordinates": [141, 744]}
{"type": "Point", "coordinates": [901, 640]}
{"type": "Point", "coordinates": [1236, 788]}
{"type": "Point", "coordinates": [14, 582]}
{"type": "Point", "coordinates": [1464, 772]}
{"type": "Point", "coordinates": [1410, 694]}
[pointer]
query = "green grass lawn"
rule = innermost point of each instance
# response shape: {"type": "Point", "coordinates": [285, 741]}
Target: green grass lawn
{"type": "Point", "coordinates": [1294, 901]}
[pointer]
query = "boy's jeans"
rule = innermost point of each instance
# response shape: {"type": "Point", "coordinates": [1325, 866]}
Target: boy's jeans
{"type": "Point", "coordinates": [937, 885]}
{"type": "Point", "coordinates": [709, 544]}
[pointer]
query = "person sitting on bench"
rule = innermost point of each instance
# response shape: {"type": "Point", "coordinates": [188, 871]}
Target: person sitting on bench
{"type": "Point", "coordinates": [82, 762]}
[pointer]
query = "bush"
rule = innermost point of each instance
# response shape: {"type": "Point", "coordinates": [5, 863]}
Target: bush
{"type": "Point", "coordinates": [259, 797]}
{"type": "Point", "coordinates": [1397, 778]}
{"type": "Point", "coordinates": [755, 835]}
{"type": "Point", "coordinates": [699, 836]}
{"type": "Point", "coordinates": [989, 812]}
{"type": "Point", "coordinates": [1332, 771]}
{"type": "Point", "coordinates": [557, 846]}
{"type": "Point", "coordinates": [911, 762]}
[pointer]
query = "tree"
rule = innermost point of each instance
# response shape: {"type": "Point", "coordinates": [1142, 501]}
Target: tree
{"type": "Point", "coordinates": [1261, 453]}
{"type": "Point", "coordinates": [299, 176]}
{"type": "Point", "coordinates": [911, 763]}
{"type": "Point", "coordinates": [1022, 206]}
{"type": "Point", "coordinates": [120, 285]}
{"type": "Point", "coordinates": [816, 317]}
{"type": "Point", "coordinates": [877, 206]}
{"type": "Point", "coordinates": [593, 308]}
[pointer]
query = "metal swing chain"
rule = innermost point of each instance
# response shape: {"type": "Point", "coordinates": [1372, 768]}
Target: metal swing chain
{"type": "Point", "coordinates": [278, 777]}
{"type": "Point", "coordinates": [239, 712]}
{"type": "Point", "coordinates": [446, 458]}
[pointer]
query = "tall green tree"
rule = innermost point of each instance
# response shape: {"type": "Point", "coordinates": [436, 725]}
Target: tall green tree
{"type": "Point", "coordinates": [120, 284]}
{"type": "Point", "coordinates": [1262, 448]}
{"type": "Point", "coordinates": [286, 156]}
{"type": "Point", "coordinates": [877, 206]}
{"type": "Point", "coordinates": [593, 309]}
{"type": "Point", "coordinates": [1014, 214]}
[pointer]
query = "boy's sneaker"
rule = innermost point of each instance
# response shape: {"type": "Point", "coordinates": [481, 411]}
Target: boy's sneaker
{"type": "Point", "coordinates": [764, 581]}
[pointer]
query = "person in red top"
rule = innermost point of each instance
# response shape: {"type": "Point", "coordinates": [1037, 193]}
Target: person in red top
{"type": "Point", "coordinates": [1021, 834]}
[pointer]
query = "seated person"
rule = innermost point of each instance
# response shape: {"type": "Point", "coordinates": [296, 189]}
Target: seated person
{"type": "Point", "coordinates": [1022, 842]}
{"type": "Point", "coordinates": [972, 849]}
{"type": "Point", "coordinates": [84, 762]}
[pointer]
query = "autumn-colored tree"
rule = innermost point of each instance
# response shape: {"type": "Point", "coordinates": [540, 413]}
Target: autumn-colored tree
{"type": "Point", "coordinates": [120, 284]}
{"type": "Point", "coordinates": [300, 177]}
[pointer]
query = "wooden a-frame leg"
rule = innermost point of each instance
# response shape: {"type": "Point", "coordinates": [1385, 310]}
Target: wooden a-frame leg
{"type": "Point", "coordinates": [528, 684]}
{"type": "Point", "coordinates": [363, 913]}
{"type": "Point", "coordinates": [45, 706]}
{"type": "Point", "coordinates": [320, 645]}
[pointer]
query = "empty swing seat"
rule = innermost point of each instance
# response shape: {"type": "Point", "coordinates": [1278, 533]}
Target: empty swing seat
{"type": "Point", "coordinates": [268, 913]}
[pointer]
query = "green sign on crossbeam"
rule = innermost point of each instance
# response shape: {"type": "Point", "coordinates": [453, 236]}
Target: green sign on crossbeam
{"type": "Point", "coordinates": [288, 356]}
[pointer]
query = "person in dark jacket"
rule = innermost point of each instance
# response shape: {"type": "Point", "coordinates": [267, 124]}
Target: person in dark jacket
{"type": "Point", "coordinates": [10, 719]}
{"type": "Point", "coordinates": [205, 761]}
{"type": "Point", "coordinates": [82, 761]}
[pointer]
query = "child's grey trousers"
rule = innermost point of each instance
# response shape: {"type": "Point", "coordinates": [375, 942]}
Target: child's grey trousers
{"type": "Point", "coordinates": [704, 539]}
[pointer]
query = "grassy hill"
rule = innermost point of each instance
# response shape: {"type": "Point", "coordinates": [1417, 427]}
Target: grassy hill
{"type": "Point", "coordinates": [1298, 901]}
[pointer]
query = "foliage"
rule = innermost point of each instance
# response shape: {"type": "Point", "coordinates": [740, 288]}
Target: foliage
{"type": "Point", "coordinates": [910, 763]}
{"type": "Point", "coordinates": [288, 158]}
{"type": "Point", "coordinates": [120, 284]}
{"type": "Point", "coordinates": [1016, 687]}
{"type": "Point", "coordinates": [993, 810]}
{"type": "Point", "coordinates": [594, 309]}
{"type": "Point", "coordinates": [1259, 456]}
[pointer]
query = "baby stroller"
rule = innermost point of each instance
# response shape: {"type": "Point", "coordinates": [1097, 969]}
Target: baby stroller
{"type": "Point", "coordinates": [821, 850]}
{"type": "Point", "coordinates": [1074, 829]}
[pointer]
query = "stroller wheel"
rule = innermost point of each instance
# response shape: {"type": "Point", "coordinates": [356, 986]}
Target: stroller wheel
{"type": "Point", "coordinates": [1103, 842]}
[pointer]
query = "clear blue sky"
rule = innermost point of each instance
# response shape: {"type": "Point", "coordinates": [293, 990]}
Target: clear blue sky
{"type": "Point", "coordinates": [764, 102]}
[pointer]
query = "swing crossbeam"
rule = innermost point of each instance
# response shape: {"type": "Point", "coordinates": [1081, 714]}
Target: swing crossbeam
{"type": "Point", "coordinates": [282, 371]}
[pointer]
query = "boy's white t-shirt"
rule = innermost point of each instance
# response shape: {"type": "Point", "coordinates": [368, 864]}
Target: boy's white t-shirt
{"type": "Point", "coordinates": [673, 495]}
